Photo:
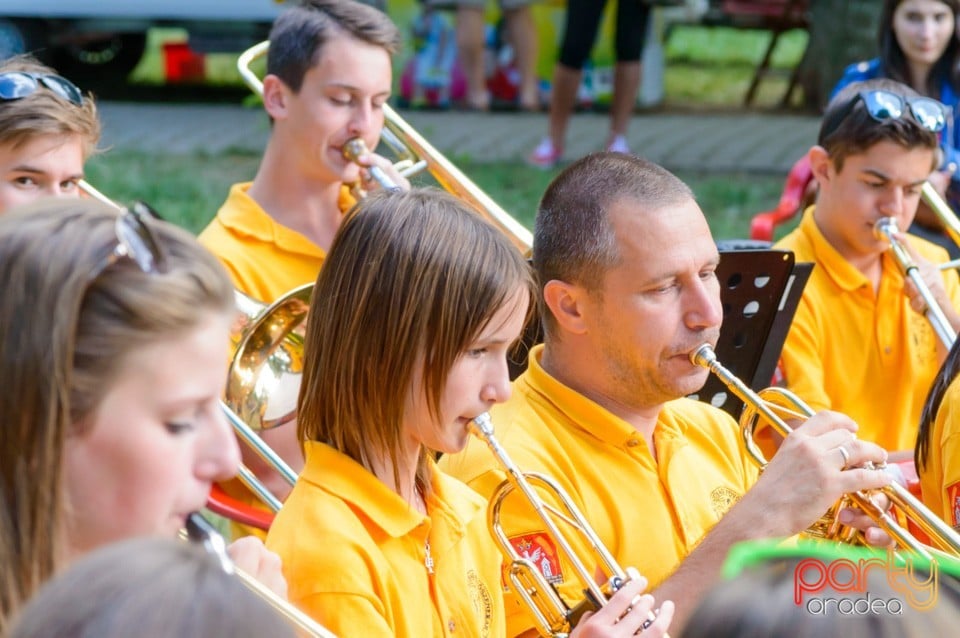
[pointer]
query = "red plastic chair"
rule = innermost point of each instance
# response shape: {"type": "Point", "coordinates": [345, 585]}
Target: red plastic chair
{"type": "Point", "coordinates": [763, 224]}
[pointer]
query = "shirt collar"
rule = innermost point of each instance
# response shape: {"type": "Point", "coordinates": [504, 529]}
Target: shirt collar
{"type": "Point", "coordinates": [343, 477]}
{"type": "Point", "coordinates": [842, 272]}
{"type": "Point", "coordinates": [244, 216]}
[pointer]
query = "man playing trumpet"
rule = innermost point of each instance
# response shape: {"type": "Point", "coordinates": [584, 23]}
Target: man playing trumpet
{"type": "Point", "coordinates": [859, 342]}
{"type": "Point", "coordinates": [626, 267]}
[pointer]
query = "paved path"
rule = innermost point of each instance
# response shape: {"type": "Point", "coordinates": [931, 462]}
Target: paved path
{"type": "Point", "coordinates": [749, 141]}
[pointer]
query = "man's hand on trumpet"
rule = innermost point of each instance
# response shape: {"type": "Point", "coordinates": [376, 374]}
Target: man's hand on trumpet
{"type": "Point", "coordinates": [820, 461]}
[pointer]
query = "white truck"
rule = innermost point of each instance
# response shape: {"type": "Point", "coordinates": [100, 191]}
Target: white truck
{"type": "Point", "coordinates": [104, 39]}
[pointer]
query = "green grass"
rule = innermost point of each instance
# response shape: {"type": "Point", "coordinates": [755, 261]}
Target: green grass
{"type": "Point", "coordinates": [169, 183]}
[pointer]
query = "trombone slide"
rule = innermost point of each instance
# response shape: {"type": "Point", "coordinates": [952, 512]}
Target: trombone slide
{"type": "Point", "coordinates": [886, 228]}
{"type": "Point", "coordinates": [200, 531]}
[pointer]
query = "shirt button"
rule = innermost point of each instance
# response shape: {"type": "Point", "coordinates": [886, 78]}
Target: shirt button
{"type": "Point", "coordinates": [633, 442]}
{"type": "Point", "coordinates": [451, 625]}
{"type": "Point", "coordinates": [887, 350]}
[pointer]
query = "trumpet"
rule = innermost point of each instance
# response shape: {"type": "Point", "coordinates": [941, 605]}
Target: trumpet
{"type": "Point", "coordinates": [554, 617]}
{"type": "Point", "coordinates": [771, 406]}
{"type": "Point", "coordinates": [416, 154]}
{"type": "Point", "coordinates": [886, 228]}
{"type": "Point", "coordinates": [200, 531]}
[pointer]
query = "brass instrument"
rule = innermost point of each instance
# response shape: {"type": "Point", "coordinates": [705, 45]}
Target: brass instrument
{"type": "Point", "coordinates": [768, 405]}
{"type": "Point", "coordinates": [200, 531]}
{"type": "Point", "coordinates": [416, 154]}
{"type": "Point", "coordinates": [942, 210]}
{"type": "Point", "coordinates": [264, 373]}
{"type": "Point", "coordinates": [886, 228]}
{"type": "Point", "coordinates": [553, 615]}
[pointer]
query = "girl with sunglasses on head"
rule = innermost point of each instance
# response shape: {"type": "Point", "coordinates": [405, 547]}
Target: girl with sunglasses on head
{"type": "Point", "coordinates": [113, 334]}
{"type": "Point", "coordinates": [919, 47]}
{"type": "Point", "coordinates": [48, 129]}
{"type": "Point", "coordinates": [415, 311]}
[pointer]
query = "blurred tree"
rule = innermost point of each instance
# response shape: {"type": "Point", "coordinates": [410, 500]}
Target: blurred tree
{"type": "Point", "coordinates": [841, 32]}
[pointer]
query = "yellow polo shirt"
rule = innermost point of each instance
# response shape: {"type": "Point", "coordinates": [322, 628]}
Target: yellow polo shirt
{"type": "Point", "coordinates": [866, 354]}
{"type": "Point", "coordinates": [266, 260]}
{"type": "Point", "coordinates": [940, 479]}
{"type": "Point", "coordinates": [354, 554]}
{"type": "Point", "coordinates": [649, 513]}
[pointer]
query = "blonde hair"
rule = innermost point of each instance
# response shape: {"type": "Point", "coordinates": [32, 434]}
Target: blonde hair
{"type": "Point", "coordinates": [43, 112]}
{"type": "Point", "coordinates": [411, 277]}
{"type": "Point", "coordinates": [63, 339]}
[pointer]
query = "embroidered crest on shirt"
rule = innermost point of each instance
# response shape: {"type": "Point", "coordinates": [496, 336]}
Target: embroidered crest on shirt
{"type": "Point", "coordinates": [953, 498]}
{"type": "Point", "coordinates": [722, 499]}
{"type": "Point", "coordinates": [482, 602]}
{"type": "Point", "coordinates": [540, 550]}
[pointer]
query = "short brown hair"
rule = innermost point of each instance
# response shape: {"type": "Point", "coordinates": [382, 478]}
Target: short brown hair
{"type": "Point", "coordinates": [299, 34]}
{"type": "Point", "coordinates": [848, 129]}
{"type": "Point", "coordinates": [411, 277]}
{"type": "Point", "coordinates": [45, 113]}
{"type": "Point", "coordinates": [573, 240]}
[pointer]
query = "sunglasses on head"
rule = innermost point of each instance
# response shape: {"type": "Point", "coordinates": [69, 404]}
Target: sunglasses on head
{"type": "Point", "coordinates": [15, 85]}
{"type": "Point", "coordinates": [884, 105]}
{"type": "Point", "coordinates": [134, 241]}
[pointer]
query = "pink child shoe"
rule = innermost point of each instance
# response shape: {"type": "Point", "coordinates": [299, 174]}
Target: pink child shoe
{"type": "Point", "coordinates": [545, 156]}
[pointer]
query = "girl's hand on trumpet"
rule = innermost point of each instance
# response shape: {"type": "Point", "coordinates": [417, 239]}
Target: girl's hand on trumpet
{"type": "Point", "coordinates": [251, 556]}
{"type": "Point", "coordinates": [627, 613]}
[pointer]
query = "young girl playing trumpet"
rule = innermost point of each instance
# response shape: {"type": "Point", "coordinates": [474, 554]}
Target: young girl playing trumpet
{"type": "Point", "coordinates": [413, 315]}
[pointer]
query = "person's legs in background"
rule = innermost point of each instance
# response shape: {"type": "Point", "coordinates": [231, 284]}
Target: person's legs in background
{"type": "Point", "coordinates": [632, 17]}
{"type": "Point", "coordinates": [579, 34]}
{"type": "Point", "coordinates": [522, 36]}
{"type": "Point", "coordinates": [471, 41]}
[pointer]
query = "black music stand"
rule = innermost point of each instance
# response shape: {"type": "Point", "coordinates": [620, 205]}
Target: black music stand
{"type": "Point", "coordinates": [760, 289]}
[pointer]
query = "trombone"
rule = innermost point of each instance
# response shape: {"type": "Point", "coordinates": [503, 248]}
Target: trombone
{"type": "Point", "coordinates": [199, 530]}
{"type": "Point", "coordinates": [553, 615]}
{"type": "Point", "coordinates": [768, 405]}
{"type": "Point", "coordinates": [886, 228]}
{"type": "Point", "coordinates": [416, 154]}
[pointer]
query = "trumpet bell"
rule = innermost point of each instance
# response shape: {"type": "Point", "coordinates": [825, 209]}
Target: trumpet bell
{"type": "Point", "coordinates": [264, 375]}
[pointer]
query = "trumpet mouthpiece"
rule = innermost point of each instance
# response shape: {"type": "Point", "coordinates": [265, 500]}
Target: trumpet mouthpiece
{"type": "Point", "coordinates": [703, 355]}
{"type": "Point", "coordinates": [483, 423]}
{"type": "Point", "coordinates": [354, 148]}
{"type": "Point", "coordinates": [884, 227]}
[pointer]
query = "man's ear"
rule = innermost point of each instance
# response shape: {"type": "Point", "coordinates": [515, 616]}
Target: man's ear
{"type": "Point", "coordinates": [275, 97]}
{"type": "Point", "coordinates": [565, 302]}
{"type": "Point", "coordinates": [820, 163]}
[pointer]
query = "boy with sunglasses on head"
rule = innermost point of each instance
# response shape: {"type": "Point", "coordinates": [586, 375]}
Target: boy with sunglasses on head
{"type": "Point", "coordinates": [860, 343]}
{"type": "Point", "coordinates": [48, 129]}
